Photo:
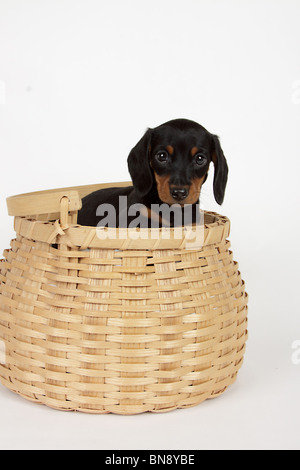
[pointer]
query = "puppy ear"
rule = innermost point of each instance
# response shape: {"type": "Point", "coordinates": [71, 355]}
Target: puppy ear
{"type": "Point", "coordinates": [221, 170]}
{"type": "Point", "coordinates": [139, 165]}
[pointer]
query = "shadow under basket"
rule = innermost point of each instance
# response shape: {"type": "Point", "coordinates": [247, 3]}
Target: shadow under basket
{"type": "Point", "coordinates": [116, 325]}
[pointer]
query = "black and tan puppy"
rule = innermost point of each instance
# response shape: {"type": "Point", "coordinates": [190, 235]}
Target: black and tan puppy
{"type": "Point", "coordinates": [168, 165]}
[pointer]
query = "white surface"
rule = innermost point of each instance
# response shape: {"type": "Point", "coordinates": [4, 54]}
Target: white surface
{"type": "Point", "coordinates": [80, 81]}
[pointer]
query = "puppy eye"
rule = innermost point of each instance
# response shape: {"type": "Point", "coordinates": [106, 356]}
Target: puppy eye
{"type": "Point", "coordinates": [200, 159]}
{"type": "Point", "coordinates": [162, 156]}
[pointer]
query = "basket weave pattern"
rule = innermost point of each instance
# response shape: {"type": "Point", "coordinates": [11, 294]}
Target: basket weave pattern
{"type": "Point", "coordinates": [101, 329]}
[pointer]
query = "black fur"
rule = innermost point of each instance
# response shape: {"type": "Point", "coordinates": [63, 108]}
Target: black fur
{"type": "Point", "coordinates": [179, 170]}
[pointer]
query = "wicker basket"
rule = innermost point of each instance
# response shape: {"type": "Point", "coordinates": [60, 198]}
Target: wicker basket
{"type": "Point", "coordinates": [116, 326]}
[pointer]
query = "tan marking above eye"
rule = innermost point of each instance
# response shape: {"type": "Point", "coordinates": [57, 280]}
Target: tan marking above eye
{"type": "Point", "coordinates": [170, 149]}
{"type": "Point", "coordinates": [194, 151]}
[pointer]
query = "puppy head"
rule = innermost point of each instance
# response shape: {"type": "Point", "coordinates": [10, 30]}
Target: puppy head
{"type": "Point", "coordinates": [176, 157]}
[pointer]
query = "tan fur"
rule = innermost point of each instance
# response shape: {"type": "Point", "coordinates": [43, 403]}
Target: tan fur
{"type": "Point", "coordinates": [163, 189]}
{"type": "Point", "coordinates": [170, 149]}
{"type": "Point", "coordinates": [194, 151]}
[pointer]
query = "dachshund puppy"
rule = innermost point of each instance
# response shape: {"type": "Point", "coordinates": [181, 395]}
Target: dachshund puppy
{"type": "Point", "coordinates": [167, 166]}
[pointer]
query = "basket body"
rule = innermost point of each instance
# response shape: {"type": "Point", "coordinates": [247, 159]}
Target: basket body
{"type": "Point", "coordinates": [91, 326]}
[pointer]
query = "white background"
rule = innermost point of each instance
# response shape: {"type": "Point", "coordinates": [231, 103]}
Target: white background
{"type": "Point", "coordinates": [80, 81]}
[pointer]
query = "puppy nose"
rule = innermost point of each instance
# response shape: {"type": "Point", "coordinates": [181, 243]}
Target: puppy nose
{"type": "Point", "coordinates": [179, 193]}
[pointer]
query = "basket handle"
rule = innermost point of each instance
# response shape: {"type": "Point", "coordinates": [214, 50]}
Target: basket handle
{"type": "Point", "coordinates": [64, 213]}
{"type": "Point", "coordinates": [43, 202]}
{"type": "Point", "coordinates": [48, 201]}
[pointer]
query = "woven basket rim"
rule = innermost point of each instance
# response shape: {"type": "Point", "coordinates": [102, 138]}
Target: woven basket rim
{"type": "Point", "coordinates": [80, 237]}
{"type": "Point", "coordinates": [215, 229]}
